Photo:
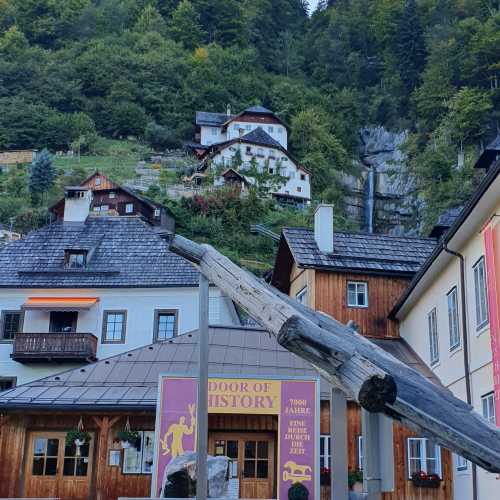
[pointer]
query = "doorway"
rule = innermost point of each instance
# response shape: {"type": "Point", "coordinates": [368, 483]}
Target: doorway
{"type": "Point", "coordinates": [63, 322]}
{"type": "Point", "coordinates": [252, 463]}
{"type": "Point", "coordinates": [55, 470]}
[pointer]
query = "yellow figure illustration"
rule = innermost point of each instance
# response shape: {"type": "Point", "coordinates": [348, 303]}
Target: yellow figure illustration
{"type": "Point", "coordinates": [296, 473]}
{"type": "Point", "coordinates": [178, 431]}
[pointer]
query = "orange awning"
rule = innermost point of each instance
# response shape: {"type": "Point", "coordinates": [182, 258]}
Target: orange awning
{"type": "Point", "coordinates": [60, 303]}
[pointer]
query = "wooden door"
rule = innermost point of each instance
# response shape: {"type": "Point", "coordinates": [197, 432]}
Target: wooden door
{"type": "Point", "coordinates": [56, 470]}
{"type": "Point", "coordinates": [252, 457]}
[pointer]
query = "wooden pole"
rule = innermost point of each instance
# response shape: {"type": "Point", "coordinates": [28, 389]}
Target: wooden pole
{"type": "Point", "coordinates": [339, 487]}
{"type": "Point", "coordinates": [202, 409]}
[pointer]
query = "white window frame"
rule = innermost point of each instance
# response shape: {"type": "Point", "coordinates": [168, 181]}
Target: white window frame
{"type": "Point", "coordinates": [144, 467]}
{"type": "Point", "coordinates": [481, 293]}
{"type": "Point", "coordinates": [453, 319]}
{"type": "Point", "coordinates": [363, 285]}
{"type": "Point", "coordinates": [424, 443]}
{"type": "Point", "coordinates": [127, 205]}
{"type": "Point", "coordinates": [461, 463]}
{"type": "Point", "coordinates": [302, 297]}
{"type": "Point", "coordinates": [361, 455]}
{"type": "Point", "coordinates": [433, 336]}
{"type": "Point", "coordinates": [157, 212]}
{"type": "Point", "coordinates": [325, 458]}
{"type": "Point", "coordinates": [488, 407]}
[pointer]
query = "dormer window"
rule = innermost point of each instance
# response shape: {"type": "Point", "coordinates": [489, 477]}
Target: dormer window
{"type": "Point", "coordinates": [75, 259]}
{"type": "Point", "coordinates": [97, 181]}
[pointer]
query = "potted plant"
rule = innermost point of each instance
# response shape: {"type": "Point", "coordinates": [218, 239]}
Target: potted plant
{"type": "Point", "coordinates": [325, 476]}
{"type": "Point", "coordinates": [298, 492]}
{"type": "Point", "coordinates": [128, 438]}
{"type": "Point", "coordinates": [78, 437]}
{"type": "Point", "coordinates": [355, 480]}
{"type": "Point", "coordinates": [421, 479]}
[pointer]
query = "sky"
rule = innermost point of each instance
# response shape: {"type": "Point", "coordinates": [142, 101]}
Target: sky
{"type": "Point", "coordinates": [312, 5]}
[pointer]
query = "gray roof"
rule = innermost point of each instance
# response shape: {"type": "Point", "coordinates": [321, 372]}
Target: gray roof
{"type": "Point", "coordinates": [258, 110]}
{"type": "Point", "coordinates": [490, 154]}
{"type": "Point", "coordinates": [212, 119]}
{"type": "Point", "coordinates": [260, 136]}
{"type": "Point", "coordinates": [130, 380]}
{"type": "Point", "coordinates": [362, 252]}
{"type": "Point", "coordinates": [122, 252]}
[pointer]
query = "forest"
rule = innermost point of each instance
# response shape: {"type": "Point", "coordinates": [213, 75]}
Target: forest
{"type": "Point", "coordinates": [80, 71]}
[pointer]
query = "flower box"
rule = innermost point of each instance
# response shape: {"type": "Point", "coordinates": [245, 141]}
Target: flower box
{"type": "Point", "coordinates": [423, 480]}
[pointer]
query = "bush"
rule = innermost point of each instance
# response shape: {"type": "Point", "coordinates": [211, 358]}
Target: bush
{"type": "Point", "coordinates": [160, 137]}
{"type": "Point", "coordinates": [298, 492]}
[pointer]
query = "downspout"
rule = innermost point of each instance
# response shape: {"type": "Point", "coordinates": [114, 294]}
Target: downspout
{"type": "Point", "coordinates": [468, 391]}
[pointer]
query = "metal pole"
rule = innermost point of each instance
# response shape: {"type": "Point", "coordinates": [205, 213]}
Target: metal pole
{"type": "Point", "coordinates": [339, 488]}
{"type": "Point", "coordinates": [202, 409]}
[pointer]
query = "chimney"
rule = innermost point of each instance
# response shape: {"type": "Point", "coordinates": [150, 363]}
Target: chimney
{"type": "Point", "coordinates": [323, 228]}
{"type": "Point", "coordinates": [77, 201]}
{"type": "Point", "coordinates": [228, 110]}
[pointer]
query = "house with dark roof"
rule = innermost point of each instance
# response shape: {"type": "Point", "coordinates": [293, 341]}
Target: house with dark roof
{"type": "Point", "coordinates": [450, 314]}
{"type": "Point", "coordinates": [91, 285]}
{"type": "Point", "coordinates": [113, 199]}
{"type": "Point", "coordinates": [254, 139]}
{"type": "Point", "coordinates": [106, 396]}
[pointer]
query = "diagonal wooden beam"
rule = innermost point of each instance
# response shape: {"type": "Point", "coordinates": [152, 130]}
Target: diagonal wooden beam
{"type": "Point", "coordinates": [366, 373]}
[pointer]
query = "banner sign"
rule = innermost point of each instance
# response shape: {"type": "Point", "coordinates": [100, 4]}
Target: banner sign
{"type": "Point", "coordinates": [491, 235]}
{"type": "Point", "coordinates": [294, 401]}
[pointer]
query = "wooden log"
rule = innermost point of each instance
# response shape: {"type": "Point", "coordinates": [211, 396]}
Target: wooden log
{"type": "Point", "coordinates": [365, 372]}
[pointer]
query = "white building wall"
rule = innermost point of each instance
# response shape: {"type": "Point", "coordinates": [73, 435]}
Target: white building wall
{"type": "Point", "coordinates": [298, 183]}
{"type": "Point", "coordinates": [140, 305]}
{"type": "Point", "coordinates": [450, 368]}
{"type": "Point", "coordinates": [211, 135]}
{"type": "Point", "coordinates": [275, 130]}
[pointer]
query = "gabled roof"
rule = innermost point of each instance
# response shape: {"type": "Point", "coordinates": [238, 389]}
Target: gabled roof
{"type": "Point", "coordinates": [212, 119]}
{"type": "Point", "coordinates": [125, 252]}
{"type": "Point", "coordinates": [489, 155]}
{"type": "Point", "coordinates": [255, 110]}
{"type": "Point", "coordinates": [260, 136]}
{"type": "Point", "coordinates": [258, 110]}
{"type": "Point", "coordinates": [129, 381]}
{"type": "Point", "coordinates": [361, 252]}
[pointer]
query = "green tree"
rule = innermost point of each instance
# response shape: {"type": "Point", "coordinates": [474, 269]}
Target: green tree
{"type": "Point", "coordinates": [42, 175]}
{"type": "Point", "coordinates": [150, 20]}
{"type": "Point", "coordinates": [185, 26]}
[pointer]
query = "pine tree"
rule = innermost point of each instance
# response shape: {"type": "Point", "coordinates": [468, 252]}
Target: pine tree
{"type": "Point", "coordinates": [42, 174]}
{"type": "Point", "coordinates": [185, 27]}
{"type": "Point", "coordinates": [411, 46]}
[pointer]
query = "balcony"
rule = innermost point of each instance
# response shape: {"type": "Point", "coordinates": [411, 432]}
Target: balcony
{"type": "Point", "coordinates": [43, 347]}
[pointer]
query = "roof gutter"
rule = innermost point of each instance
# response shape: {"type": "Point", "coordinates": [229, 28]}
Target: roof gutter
{"type": "Point", "coordinates": [465, 330]}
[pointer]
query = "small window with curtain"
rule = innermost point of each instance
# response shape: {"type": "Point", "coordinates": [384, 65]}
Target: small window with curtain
{"type": "Point", "coordinates": [113, 327]}
{"type": "Point", "coordinates": [75, 259]}
{"type": "Point", "coordinates": [10, 323]}
{"type": "Point", "coordinates": [165, 324]}
{"type": "Point", "coordinates": [433, 337]}
{"type": "Point", "coordinates": [139, 460]}
{"type": "Point", "coordinates": [453, 319]}
{"type": "Point", "coordinates": [480, 294]}
{"type": "Point", "coordinates": [488, 404]}
{"type": "Point", "coordinates": [357, 294]}
{"type": "Point", "coordinates": [423, 456]}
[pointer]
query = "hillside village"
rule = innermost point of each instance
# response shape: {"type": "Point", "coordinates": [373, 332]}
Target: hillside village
{"type": "Point", "coordinates": [249, 249]}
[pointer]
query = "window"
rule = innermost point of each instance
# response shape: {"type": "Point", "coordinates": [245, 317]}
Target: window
{"type": "Point", "coordinates": [260, 152]}
{"type": "Point", "coordinates": [129, 208]}
{"type": "Point", "coordinates": [460, 463]}
{"type": "Point", "coordinates": [165, 324]}
{"type": "Point", "coordinates": [256, 459]}
{"type": "Point", "coordinates": [249, 150]}
{"type": "Point", "coordinates": [45, 457]}
{"type": "Point", "coordinates": [360, 452]}
{"type": "Point", "coordinates": [97, 181]}
{"type": "Point", "coordinates": [302, 296]}
{"type": "Point", "coordinates": [453, 319]}
{"type": "Point", "coordinates": [480, 289]}
{"type": "Point", "coordinates": [75, 259]}
{"type": "Point", "coordinates": [248, 127]}
{"type": "Point", "coordinates": [157, 212]}
{"type": "Point", "coordinates": [214, 131]}
{"type": "Point", "coordinates": [357, 294]}
{"type": "Point", "coordinates": [325, 452]}
{"type": "Point", "coordinates": [236, 127]}
{"type": "Point", "coordinates": [302, 177]}
{"type": "Point", "coordinates": [271, 170]}
{"type": "Point", "coordinates": [299, 189]}
{"type": "Point", "coordinates": [284, 158]}
{"type": "Point", "coordinates": [63, 321]}
{"type": "Point", "coordinates": [7, 383]}
{"type": "Point", "coordinates": [101, 208]}
{"type": "Point", "coordinates": [140, 460]}
{"type": "Point", "coordinates": [433, 336]}
{"type": "Point", "coordinates": [76, 463]}
{"type": "Point", "coordinates": [113, 326]}
{"type": "Point", "coordinates": [423, 455]}
{"type": "Point", "coordinates": [112, 194]}
{"type": "Point", "coordinates": [270, 129]}
{"type": "Point", "coordinates": [488, 402]}
{"type": "Point", "coordinates": [11, 322]}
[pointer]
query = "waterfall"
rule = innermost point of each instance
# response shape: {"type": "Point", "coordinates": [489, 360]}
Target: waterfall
{"type": "Point", "coordinates": [370, 200]}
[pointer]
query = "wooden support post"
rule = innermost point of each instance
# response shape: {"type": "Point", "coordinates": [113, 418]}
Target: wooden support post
{"type": "Point", "coordinates": [378, 459]}
{"type": "Point", "coordinates": [202, 410]}
{"type": "Point", "coordinates": [339, 488]}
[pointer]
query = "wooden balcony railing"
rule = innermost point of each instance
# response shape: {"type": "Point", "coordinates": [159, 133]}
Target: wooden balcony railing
{"type": "Point", "coordinates": [42, 347]}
